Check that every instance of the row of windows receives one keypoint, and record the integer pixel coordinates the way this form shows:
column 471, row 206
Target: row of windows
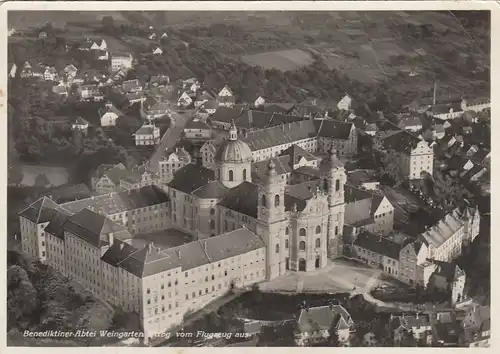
column 302, row 245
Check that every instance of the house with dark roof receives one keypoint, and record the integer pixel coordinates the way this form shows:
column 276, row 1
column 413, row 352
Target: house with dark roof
column 80, row 124
column 315, row 323
column 476, row 327
column 445, row 329
column 153, row 108
column 378, row 252
column 446, row 111
column 410, row 123
column 174, row 161
column 131, row 86
column 448, row 277
column 418, row 325
column 147, row 134
column 109, row 114
column 368, row 210
column 225, row 98
column 197, row 130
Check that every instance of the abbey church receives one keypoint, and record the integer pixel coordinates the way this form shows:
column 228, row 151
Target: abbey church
column 294, row 205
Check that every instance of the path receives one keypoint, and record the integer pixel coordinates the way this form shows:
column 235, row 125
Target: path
column 170, row 138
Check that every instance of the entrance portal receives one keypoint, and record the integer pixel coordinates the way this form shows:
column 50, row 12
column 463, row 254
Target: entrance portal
column 318, row 263
column 302, row 265
column 287, row 263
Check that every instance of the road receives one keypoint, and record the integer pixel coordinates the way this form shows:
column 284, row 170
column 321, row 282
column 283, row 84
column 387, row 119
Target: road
column 170, row 138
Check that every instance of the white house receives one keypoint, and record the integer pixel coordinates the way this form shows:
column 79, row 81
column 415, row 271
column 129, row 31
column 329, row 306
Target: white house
column 226, row 97
column 60, row 89
column 102, row 46
column 476, row 104
column 50, row 74
column 88, row 91
column 12, row 71
column 148, row 134
column 109, row 114
column 197, row 130
column 152, row 36
column 70, row 70
column 345, row 103
column 158, row 51
column 102, row 55
column 164, row 35
column 80, row 124
column 184, row 100
column 121, row 61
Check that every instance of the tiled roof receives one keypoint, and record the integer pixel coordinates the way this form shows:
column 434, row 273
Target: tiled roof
column 42, row 210
column 146, row 129
column 242, row 198
column 55, row 226
column 447, row 227
column 152, row 104
column 353, row 194
column 210, row 104
column 282, row 163
column 401, row 141
column 226, row 114
column 90, row 226
column 323, row 318
column 118, row 251
column 333, row 129
column 378, row 245
column 81, row 121
column 116, row 173
column 111, row 109
column 151, row 260
column 409, row 122
column 413, row 321
column 113, row 203
column 303, row 191
column 282, row 134
column 296, row 153
column 191, row 177
column 211, row 190
column 135, row 95
column 278, row 107
column 307, row 171
column 225, row 99
column 196, row 124
column 447, row 270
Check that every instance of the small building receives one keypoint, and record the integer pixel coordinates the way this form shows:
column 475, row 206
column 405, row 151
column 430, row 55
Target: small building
column 109, row 114
column 225, row 97
column 173, row 162
column 153, row 108
column 148, row 134
column 448, row 277
column 87, row 92
column 121, row 61
column 197, row 130
column 314, row 325
column 80, row 124
column 50, row 74
column 476, row 327
column 70, row 70
column 157, row 51
column 419, row 326
column 345, row 103
column 259, row 102
column 186, row 99
column 201, row 98
column 60, row 90
column 378, row 252
column 411, row 123
column 130, row 86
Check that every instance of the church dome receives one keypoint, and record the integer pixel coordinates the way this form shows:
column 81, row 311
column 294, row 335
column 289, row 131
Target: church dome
column 233, row 150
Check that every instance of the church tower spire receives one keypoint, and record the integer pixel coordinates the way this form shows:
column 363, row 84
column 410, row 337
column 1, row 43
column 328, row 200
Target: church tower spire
column 233, row 132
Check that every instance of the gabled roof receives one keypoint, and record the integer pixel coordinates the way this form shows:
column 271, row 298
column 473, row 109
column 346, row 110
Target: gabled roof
column 111, row 109
column 445, row 228
column 81, row 121
column 196, row 124
column 131, row 85
column 299, row 194
column 401, row 141
column 282, row 163
column 55, row 226
column 296, row 153
column 191, row 177
column 333, row 129
column 42, row 210
column 243, row 199
column 147, row 129
column 90, row 226
column 323, row 318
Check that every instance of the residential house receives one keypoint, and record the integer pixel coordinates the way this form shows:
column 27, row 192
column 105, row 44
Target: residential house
column 259, row 102
column 314, row 325
column 173, row 162
column 152, row 36
column 148, row 134
column 445, row 329
column 153, row 108
column 198, row 130
column 368, row 210
column 446, row 111
column 225, row 97
column 418, row 325
column 131, row 86
column 121, row 61
column 50, row 74
column 12, row 70
column 481, row 157
column 157, row 51
column 88, row 92
column 135, row 97
column 102, row 54
column 411, row 123
column 412, row 264
column 185, row 100
column 164, row 35
column 476, row 327
column 474, row 174
column 61, row 90
column 99, row 44
column 158, row 80
column 107, row 177
column 191, row 84
column 448, row 277
column 202, row 98
column 345, row 103
column 413, row 154
column 377, row 252
column 209, row 107
column 138, row 177
column 81, row 125
column 371, row 129
column 476, row 104
column 108, row 115
column 438, row 131
column 70, row 70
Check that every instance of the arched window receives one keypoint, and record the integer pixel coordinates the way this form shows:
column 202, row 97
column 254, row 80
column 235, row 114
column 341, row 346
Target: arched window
column 337, row 185
column 287, row 231
column 218, row 173
column 276, row 200
column 336, row 230
column 244, row 174
column 277, row 248
column 231, row 175
column 302, row 232
column 286, row 243
column 302, row 245
column 264, row 201
column 225, row 225
column 318, row 243
column 212, row 211
column 325, row 184
column 318, row 229
column 212, row 225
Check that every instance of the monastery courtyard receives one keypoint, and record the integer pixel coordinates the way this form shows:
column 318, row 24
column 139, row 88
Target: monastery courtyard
column 338, row 276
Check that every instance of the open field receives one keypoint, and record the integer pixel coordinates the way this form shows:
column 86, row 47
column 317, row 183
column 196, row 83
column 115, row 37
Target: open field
column 282, row 60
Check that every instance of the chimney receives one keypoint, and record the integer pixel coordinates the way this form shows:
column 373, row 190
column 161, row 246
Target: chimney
column 434, row 95
column 111, row 239
column 179, row 254
column 282, row 127
column 205, row 246
column 250, row 118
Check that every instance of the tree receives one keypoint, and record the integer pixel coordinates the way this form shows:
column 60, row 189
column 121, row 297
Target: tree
column 333, row 337
column 21, row 297
column 108, row 25
column 41, row 180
